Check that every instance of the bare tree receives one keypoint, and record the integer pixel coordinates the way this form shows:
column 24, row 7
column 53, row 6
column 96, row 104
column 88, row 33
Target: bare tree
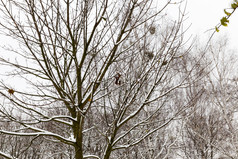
column 223, row 83
column 210, row 126
column 100, row 76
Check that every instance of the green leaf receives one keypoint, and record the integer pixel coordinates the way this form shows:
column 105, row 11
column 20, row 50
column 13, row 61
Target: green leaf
column 224, row 21
column 227, row 13
column 234, row 5
column 217, row 30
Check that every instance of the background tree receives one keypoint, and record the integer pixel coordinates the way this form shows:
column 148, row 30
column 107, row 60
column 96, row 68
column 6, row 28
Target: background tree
column 224, row 85
column 210, row 128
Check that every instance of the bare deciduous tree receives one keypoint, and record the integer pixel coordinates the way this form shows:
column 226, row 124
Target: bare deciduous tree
column 100, row 76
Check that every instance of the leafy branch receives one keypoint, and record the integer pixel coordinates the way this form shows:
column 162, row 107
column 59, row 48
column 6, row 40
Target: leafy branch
column 225, row 20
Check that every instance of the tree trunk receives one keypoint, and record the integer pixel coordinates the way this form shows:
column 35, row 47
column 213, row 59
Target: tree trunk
column 108, row 151
column 78, row 127
column 109, row 146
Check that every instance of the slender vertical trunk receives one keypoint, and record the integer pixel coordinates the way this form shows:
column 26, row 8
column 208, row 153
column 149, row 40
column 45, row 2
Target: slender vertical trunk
column 78, row 127
column 211, row 152
column 109, row 146
column 108, row 151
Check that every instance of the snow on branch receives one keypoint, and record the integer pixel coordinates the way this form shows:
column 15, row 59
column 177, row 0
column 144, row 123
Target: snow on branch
column 43, row 133
column 91, row 156
column 6, row 155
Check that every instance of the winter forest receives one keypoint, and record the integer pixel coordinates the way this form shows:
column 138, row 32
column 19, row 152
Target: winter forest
column 114, row 79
